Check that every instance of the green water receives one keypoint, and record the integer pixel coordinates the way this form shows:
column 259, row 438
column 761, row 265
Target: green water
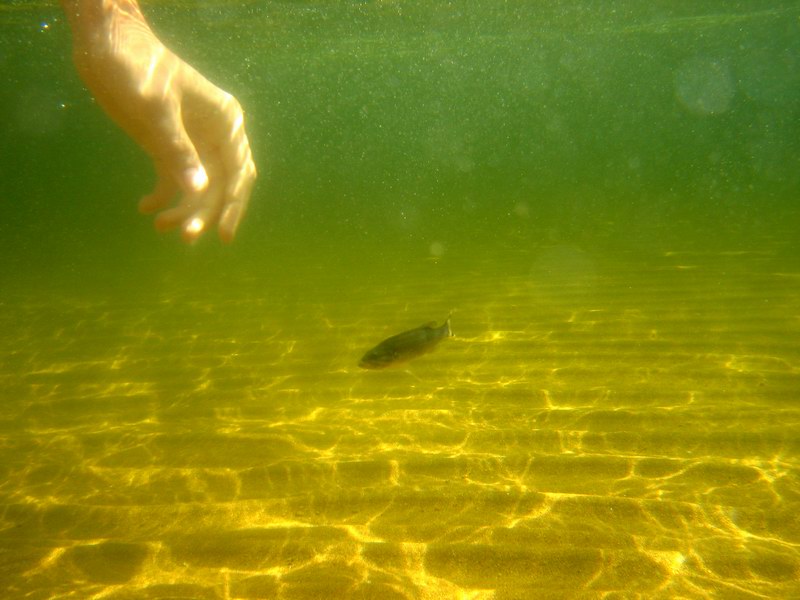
column 604, row 195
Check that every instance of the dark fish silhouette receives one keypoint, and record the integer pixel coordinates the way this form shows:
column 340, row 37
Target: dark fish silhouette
column 405, row 346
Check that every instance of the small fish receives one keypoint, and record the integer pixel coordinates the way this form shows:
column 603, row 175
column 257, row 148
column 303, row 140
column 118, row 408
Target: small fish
column 405, row 346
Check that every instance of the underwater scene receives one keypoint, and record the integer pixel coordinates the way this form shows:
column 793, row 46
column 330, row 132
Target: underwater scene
column 514, row 311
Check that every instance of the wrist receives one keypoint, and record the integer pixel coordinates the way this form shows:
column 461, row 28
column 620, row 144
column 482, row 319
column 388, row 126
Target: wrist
column 103, row 31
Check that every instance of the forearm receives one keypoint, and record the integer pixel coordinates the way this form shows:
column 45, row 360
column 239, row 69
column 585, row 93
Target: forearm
column 98, row 26
column 86, row 17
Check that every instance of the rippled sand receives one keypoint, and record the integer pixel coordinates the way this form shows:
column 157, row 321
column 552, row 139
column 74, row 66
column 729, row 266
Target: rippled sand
column 626, row 425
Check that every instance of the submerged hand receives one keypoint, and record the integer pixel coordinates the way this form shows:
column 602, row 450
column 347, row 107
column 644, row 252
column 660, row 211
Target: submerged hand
column 193, row 131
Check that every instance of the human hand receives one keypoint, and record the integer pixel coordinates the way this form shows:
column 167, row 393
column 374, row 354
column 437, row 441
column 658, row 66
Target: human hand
column 193, row 131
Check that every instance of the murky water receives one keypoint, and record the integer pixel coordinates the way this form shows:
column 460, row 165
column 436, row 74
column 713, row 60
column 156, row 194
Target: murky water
column 617, row 413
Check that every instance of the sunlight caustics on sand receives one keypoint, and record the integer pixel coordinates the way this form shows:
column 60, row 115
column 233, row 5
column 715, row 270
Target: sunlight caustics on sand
column 634, row 430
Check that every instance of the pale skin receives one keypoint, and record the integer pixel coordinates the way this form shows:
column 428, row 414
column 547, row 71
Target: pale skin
column 192, row 130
